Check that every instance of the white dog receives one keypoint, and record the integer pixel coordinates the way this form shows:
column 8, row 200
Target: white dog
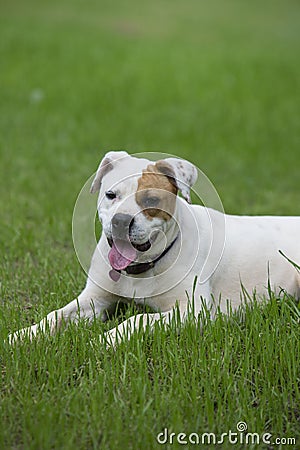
column 154, row 245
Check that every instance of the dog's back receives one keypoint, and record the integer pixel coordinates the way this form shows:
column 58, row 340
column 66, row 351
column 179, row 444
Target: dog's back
column 253, row 257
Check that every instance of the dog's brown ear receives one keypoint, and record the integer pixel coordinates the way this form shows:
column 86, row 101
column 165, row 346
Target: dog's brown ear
column 181, row 173
column 105, row 166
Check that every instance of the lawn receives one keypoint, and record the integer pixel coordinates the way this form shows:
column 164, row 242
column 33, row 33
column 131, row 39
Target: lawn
column 214, row 82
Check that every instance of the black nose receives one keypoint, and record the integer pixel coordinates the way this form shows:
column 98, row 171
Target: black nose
column 121, row 224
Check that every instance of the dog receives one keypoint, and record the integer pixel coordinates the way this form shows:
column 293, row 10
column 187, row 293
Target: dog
column 158, row 249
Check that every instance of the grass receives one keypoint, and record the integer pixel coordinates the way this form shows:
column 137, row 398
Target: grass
column 213, row 83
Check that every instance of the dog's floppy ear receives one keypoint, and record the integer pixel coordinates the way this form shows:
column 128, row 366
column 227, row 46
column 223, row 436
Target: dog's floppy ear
column 105, row 166
column 181, row 173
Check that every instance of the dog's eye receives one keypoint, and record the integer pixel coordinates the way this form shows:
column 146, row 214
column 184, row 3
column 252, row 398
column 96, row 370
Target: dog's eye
column 151, row 202
column 110, row 195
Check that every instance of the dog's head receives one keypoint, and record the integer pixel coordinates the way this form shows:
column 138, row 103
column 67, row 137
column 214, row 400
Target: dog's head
column 137, row 203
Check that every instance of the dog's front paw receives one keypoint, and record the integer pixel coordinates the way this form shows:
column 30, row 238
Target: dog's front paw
column 108, row 340
column 20, row 335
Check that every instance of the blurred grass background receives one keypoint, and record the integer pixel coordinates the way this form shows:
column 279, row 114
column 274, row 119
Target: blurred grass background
column 214, row 82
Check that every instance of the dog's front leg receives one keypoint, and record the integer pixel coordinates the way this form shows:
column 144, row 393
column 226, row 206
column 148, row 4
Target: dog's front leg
column 139, row 322
column 91, row 303
column 189, row 306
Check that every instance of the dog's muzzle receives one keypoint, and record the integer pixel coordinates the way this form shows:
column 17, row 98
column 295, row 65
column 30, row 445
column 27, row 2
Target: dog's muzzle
column 121, row 230
column 123, row 250
column 121, row 224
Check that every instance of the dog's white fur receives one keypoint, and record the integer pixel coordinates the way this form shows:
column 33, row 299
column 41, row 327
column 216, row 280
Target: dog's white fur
column 250, row 257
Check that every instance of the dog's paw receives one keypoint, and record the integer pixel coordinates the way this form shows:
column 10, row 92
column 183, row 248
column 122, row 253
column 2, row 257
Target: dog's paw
column 21, row 335
column 14, row 338
column 110, row 339
column 107, row 340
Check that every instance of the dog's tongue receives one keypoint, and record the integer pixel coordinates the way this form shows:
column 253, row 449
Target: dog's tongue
column 121, row 254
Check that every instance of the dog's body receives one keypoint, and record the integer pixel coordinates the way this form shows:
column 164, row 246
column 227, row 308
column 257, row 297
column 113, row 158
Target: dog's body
column 154, row 244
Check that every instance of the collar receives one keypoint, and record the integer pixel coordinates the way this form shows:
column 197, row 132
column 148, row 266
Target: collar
column 136, row 269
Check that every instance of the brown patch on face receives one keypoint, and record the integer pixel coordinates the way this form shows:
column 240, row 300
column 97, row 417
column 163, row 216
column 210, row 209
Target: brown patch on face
column 157, row 190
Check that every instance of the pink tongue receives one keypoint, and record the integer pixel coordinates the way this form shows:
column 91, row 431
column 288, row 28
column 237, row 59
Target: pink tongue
column 121, row 254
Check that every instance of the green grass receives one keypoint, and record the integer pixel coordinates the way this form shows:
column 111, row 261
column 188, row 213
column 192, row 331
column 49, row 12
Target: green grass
column 215, row 82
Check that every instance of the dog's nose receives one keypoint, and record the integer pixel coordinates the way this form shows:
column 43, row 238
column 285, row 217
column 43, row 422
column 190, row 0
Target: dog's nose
column 121, row 224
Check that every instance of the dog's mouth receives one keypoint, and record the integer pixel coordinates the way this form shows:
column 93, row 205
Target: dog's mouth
column 123, row 252
column 139, row 247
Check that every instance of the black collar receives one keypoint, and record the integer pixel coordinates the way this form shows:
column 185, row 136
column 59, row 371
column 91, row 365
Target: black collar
column 136, row 269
